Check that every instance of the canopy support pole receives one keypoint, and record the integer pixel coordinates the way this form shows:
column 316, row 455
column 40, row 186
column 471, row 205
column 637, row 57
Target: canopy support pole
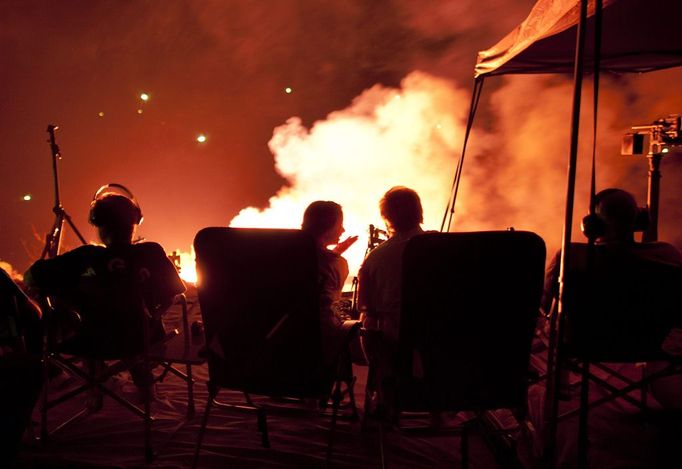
column 554, row 378
column 450, row 210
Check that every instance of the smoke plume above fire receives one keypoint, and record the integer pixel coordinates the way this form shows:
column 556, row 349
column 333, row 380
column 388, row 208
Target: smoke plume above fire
column 388, row 136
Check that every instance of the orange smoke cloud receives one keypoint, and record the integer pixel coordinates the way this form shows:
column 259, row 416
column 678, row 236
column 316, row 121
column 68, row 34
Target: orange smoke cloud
column 409, row 136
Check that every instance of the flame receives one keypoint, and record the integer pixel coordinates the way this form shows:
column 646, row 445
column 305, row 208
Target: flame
column 187, row 265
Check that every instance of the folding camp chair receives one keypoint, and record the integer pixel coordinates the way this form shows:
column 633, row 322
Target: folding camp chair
column 119, row 341
column 120, row 335
column 469, row 306
column 619, row 308
column 258, row 292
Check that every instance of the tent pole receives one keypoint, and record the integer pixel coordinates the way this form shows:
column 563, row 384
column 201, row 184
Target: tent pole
column 553, row 379
column 450, row 210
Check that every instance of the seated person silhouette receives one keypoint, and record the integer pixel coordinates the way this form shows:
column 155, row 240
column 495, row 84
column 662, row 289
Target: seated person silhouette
column 616, row 217
column 20, row 367
column 380, row 278
column 88, row 279
column 323, row 220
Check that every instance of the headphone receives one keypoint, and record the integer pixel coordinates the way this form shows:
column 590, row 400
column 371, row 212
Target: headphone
column 98, row 210
column 594, row 224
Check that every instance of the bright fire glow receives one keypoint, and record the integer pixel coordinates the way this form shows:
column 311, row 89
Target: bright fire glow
column 188, row 271
column 201, row 138
column 27, row 197
column 288, row 90
column 144, row 97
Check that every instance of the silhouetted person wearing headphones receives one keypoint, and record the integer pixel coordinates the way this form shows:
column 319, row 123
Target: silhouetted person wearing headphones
column 617, row 217
column 84, row 277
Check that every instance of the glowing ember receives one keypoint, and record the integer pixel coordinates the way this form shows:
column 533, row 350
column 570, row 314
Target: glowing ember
column 27, row 197
column 100, row 114
column 288, row 90
column 144, row 97
column 201, row 138
column 139, row 111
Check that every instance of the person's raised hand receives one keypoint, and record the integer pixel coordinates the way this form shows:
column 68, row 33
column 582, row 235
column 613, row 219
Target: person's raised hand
column 341, row 247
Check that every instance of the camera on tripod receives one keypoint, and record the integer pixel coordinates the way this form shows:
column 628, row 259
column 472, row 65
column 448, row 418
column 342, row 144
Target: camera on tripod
column 659, row 138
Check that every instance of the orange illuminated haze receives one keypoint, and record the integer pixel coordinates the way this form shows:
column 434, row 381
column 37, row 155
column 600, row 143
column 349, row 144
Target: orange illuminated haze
column 515, row 171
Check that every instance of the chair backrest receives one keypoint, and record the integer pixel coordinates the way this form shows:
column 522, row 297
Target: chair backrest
column 469, row 307
column 10, row 318
column 258, row 291
column 109, row 288
column 113, row 315
column 619, row 306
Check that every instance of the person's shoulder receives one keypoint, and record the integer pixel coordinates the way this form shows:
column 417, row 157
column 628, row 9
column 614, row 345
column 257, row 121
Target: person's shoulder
column 660, row 251
column 6, row 281
column 331, row 257
column 149, row 247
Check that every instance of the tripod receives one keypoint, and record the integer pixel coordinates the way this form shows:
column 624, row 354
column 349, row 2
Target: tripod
column 54, row 237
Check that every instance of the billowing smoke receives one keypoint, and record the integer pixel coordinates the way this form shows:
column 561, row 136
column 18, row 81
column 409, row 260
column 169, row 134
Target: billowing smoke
column 514, row 175
column 406, row 136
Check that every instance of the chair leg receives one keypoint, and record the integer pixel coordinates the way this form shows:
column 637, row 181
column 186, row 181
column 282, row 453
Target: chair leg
column 148, row 451
column 43, row 402
column 382, row 454
column 351, row 395
column 212, row 393
column 336, row 400
column 262, row 417
column 464, row 446
column 584, row 411
column 551, row 405
column 643, row 395
column 190, row 393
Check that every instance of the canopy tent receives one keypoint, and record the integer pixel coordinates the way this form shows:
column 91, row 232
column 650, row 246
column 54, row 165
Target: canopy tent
column 637, row 36
column 578, row 36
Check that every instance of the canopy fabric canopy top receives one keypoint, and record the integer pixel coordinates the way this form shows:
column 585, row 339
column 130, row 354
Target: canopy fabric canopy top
column 637, row 36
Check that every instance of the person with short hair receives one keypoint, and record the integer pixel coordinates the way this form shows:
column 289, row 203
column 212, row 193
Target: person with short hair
column 379, row 296
column 86, row 278
column 380, row 277
column 618, row 216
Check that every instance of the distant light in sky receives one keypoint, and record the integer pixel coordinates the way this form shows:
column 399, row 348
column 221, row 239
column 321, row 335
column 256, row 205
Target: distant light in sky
column 144, row 97
column 201, row 138
column 139, row 111
column 288, row 90
column 27, row 197
column 100, row 114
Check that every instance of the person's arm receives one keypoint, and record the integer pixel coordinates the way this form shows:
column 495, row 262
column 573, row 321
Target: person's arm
column 367, row 314
column 167, row 283
column 551, row 289
column 57, row 275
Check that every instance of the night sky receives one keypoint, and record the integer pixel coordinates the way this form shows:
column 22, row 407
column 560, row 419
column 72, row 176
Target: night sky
column 213, row 68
